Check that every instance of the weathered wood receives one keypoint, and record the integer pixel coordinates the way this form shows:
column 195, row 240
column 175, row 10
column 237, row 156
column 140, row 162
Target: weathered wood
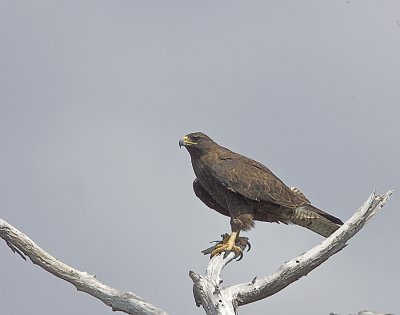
column 217, row 300
column 207, row 289
column 126, row 302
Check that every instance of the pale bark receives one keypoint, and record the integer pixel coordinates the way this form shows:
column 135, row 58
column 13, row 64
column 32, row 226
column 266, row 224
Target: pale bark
column 226, row 300
column 126, row 302
column 207, row 290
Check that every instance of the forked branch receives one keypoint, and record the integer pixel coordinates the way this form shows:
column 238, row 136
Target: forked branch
column 225, row 300
column 207, row 290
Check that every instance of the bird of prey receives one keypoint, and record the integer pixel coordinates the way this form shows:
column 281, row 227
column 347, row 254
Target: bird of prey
column 247, row 191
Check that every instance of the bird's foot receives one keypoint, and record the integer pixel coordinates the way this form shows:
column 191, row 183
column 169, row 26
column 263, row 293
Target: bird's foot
column 229, row 243
column 227, row 247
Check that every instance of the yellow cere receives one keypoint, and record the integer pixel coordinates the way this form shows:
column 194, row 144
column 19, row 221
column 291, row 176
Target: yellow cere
column 187, row 141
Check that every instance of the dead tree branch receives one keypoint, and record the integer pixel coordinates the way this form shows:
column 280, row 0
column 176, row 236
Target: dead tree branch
column 126, row 302
column 225, row 300
column 207, row 290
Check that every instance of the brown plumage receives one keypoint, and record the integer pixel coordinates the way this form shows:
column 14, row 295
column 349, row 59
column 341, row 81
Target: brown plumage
column 247, row 191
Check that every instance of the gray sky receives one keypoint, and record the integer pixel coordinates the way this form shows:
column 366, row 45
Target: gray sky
column 96, row 94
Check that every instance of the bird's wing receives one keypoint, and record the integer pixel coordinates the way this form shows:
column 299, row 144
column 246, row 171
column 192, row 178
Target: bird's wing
column 255, row 181
column 207, row 199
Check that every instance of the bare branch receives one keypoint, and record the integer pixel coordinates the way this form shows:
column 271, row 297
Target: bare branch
column 126, row 302
column 207, row 290
column 225, row 300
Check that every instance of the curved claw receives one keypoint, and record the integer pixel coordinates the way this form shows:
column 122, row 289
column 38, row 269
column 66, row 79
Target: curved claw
column 240, row 257
column 243, row 242
column 238, row 254
column 248, row 246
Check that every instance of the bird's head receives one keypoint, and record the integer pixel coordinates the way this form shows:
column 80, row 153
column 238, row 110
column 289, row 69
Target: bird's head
column 196, row 142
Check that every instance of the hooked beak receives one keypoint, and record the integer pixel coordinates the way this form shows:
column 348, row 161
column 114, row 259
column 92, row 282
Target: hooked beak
column 185, row 141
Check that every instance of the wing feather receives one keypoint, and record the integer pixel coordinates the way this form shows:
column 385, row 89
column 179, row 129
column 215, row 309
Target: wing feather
column 207, row 199
column 255, row 181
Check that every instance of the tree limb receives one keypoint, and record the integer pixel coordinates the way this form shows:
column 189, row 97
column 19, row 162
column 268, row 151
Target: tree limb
column 126, row 302
column 206, row 289
column 225, row 300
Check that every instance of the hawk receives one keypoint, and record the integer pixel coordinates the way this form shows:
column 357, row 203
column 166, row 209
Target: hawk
column 247, row 191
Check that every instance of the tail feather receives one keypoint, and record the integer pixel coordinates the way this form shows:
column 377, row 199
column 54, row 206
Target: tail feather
column 315, row 220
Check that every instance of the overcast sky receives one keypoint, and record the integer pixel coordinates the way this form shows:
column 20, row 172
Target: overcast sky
column 96, row 94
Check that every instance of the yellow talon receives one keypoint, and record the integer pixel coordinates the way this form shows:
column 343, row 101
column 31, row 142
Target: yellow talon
column 227, row 245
